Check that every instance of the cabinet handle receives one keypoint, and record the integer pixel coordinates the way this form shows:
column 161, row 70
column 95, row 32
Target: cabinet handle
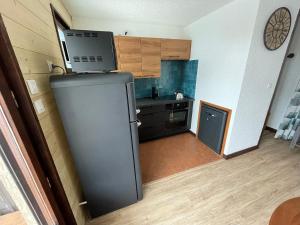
column 138, row 111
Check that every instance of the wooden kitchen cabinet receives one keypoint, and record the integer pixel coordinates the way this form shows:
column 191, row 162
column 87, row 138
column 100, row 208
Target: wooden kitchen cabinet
column 142, row 56
column 129, row 55
column 151, row 60
column 175, row 49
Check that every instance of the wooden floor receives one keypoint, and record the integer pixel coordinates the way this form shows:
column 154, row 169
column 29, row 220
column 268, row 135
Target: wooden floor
column 166, row 156
column 241, row 191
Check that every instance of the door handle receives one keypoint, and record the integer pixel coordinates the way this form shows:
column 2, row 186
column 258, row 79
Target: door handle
column 212, row 115
column 139, row 123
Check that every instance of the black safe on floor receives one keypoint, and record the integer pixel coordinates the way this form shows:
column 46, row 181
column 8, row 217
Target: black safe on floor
column 212, row 127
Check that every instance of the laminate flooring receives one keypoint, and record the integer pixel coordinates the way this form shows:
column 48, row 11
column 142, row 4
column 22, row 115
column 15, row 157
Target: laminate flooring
column 241, row 191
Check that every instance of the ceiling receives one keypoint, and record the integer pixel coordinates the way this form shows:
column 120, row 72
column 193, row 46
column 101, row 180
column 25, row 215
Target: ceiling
column 167, row 12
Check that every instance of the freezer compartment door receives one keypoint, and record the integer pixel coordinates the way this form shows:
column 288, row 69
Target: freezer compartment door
column 135, row 151
column 131, row 102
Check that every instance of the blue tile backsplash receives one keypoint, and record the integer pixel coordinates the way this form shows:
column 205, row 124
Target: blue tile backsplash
column 188, row 85
column 175, row 76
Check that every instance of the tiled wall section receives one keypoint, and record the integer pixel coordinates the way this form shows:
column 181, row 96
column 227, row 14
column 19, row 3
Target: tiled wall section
column 175, row 76
column 188, row 85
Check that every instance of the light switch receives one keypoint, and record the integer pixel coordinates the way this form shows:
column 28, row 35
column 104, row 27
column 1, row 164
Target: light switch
column 33, row 88
column 39, row 106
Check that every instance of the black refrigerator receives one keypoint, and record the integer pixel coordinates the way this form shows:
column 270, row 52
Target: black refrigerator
column 98, row 112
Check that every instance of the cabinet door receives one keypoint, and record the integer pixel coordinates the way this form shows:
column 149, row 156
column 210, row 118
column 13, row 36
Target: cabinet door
column 151, row 57
column 130, row 58
column 172, row 49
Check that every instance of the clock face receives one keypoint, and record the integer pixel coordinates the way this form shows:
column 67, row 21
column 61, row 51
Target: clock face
column 277, row 28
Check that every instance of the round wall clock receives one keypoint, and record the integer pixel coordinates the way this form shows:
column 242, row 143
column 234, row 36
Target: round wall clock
column 277, row 28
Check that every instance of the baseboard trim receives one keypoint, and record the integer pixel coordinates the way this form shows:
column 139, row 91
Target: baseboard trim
column 191, row 132
column 271, row 129
column 242, row 152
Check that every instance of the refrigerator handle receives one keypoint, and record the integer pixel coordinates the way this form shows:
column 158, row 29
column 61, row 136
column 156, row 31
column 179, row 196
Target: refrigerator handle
column 131, row 101
column 136, row 158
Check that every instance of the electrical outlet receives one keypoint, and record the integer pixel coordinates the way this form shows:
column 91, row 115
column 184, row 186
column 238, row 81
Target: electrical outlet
column 39, row 106
column 50, row 63
column 33, row 88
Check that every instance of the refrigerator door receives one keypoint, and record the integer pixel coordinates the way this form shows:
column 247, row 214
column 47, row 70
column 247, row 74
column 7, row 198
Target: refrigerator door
column 131, row 102
column 135, row 150
column 96, row 120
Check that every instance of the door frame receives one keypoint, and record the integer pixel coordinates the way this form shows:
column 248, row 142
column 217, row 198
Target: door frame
column 24, row 118
column 20, row 165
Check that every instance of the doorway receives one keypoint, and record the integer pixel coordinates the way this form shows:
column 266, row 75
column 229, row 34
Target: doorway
column 283, row 116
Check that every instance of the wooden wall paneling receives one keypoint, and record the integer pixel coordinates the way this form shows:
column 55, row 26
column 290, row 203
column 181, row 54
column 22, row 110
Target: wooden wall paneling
column 39, row 10
column 35, row 63
column 174, row 49
column 56, row 147
column 20, row 14
column 46, row 4
column 130, row 58
column 47, row 124
column 23, row 38
column 229, row 112
column 151, row 57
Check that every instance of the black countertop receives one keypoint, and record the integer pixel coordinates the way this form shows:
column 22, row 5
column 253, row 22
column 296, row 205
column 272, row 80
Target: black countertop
column 140, row 102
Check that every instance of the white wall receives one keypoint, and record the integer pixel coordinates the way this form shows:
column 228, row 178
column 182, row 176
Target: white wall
column 261, row 75
column 221, row 41
column 287, row 83
column 133, row 29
